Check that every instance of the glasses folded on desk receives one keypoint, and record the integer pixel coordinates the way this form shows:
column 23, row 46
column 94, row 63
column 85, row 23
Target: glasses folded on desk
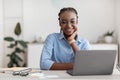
column 24, row 72
column 20, row 71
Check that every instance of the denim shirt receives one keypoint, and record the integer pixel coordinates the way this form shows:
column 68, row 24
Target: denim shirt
column 57, row 49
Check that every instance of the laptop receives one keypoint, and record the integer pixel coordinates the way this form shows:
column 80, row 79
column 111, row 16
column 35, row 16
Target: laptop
column 93, row 62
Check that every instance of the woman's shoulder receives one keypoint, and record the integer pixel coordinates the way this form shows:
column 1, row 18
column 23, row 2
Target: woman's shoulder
column 53, row 35
column 81, row 39
column 85, row 45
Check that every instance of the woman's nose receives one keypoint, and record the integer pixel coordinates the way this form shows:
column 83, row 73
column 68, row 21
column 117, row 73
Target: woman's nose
column 69, row 24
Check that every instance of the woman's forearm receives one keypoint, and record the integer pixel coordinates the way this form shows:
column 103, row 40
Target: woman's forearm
column 75, row 47
column 62, row 66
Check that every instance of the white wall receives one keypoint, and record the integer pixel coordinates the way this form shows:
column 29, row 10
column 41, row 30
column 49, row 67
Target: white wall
column 1, row 32
column 40, row 18
column 118, row 22
column 95, row 17
column 118, row 12
column 118, row 16
column 12, row 14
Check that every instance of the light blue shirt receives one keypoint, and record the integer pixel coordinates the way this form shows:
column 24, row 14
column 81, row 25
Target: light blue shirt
column 57, row 49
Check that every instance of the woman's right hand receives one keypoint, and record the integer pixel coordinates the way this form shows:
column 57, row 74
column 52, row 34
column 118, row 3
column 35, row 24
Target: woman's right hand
column 72, row 37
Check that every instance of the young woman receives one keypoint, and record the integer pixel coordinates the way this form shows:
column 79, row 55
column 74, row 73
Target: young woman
column 60, row 48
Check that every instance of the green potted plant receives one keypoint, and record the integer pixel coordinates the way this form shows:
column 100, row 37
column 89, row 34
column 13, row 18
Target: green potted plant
column 108, row 37
column 18, row 46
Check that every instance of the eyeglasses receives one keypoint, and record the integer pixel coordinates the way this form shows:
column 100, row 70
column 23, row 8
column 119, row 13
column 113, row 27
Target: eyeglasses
column 24, row 72
column 63, row 22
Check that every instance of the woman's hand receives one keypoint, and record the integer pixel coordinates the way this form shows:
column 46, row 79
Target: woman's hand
column 71, row 40
column 72, row 37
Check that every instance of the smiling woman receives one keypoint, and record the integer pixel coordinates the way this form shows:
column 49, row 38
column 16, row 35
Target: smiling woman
column 60, row 48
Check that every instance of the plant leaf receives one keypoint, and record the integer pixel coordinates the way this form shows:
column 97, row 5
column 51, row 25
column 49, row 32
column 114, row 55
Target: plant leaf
column 10, row 39
column 16, row 61
column 9, row 55
column 12, row 57
column 23, row 43
column 17, row 64
column 16, row 42
column 18, row 58
column 17, row 29
column 24, row 65
column 18, row 50
column 10, row 64
column 11, row 45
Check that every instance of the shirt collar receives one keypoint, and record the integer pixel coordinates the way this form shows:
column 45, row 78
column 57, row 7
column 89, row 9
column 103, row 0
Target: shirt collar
column 78, row 39
column 61, row 35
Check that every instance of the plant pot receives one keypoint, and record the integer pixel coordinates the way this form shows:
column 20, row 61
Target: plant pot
column 108, row 39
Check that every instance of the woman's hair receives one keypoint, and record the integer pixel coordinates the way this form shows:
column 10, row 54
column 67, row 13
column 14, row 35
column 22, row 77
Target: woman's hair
column 67, row 9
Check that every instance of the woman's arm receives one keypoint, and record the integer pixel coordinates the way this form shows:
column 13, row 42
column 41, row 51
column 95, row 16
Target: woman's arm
column 61, row 66
column 72, row 42
column 75, row 47
column 46, row 61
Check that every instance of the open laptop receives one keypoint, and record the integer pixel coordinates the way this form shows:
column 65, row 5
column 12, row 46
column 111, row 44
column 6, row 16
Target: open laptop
column 93, row 62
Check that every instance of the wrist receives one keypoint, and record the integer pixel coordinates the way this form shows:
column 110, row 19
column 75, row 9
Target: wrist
column 72, row 41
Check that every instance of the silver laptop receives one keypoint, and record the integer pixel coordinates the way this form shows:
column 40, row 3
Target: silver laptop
column 93, row 62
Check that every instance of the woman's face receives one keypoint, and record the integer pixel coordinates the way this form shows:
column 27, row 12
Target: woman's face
column 68, row 22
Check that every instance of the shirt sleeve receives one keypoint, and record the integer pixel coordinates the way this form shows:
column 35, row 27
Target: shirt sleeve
column 46, row 61
column 86, row 45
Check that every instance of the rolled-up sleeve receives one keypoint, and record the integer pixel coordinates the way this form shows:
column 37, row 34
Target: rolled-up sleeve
column 86, row 45
column 46, row 60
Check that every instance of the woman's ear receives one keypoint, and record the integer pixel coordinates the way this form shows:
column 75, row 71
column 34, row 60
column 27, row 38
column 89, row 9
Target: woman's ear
column 77, row 21
column 59, row 23
column 60, row 30
column 60, row 26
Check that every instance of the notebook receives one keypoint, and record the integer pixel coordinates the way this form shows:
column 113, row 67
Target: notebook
column 93, row 62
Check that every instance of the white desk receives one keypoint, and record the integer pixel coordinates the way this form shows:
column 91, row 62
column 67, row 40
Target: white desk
column 60, row 75
column 63, row 75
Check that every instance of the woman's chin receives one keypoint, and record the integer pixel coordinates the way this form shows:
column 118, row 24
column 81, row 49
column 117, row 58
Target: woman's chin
column 68, row 35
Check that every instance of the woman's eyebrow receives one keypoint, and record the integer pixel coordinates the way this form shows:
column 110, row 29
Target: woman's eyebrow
column 66, row 20
column 73, row 19
column 63, row 20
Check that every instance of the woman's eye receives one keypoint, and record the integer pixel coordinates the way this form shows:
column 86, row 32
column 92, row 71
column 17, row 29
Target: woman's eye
column 63, row 22
column 72, row 22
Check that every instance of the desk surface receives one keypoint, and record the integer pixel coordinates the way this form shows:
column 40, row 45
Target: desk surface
column 62, row 75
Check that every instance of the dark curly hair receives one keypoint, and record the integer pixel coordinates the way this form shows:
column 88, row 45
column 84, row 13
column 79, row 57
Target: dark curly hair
column 67, row 9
